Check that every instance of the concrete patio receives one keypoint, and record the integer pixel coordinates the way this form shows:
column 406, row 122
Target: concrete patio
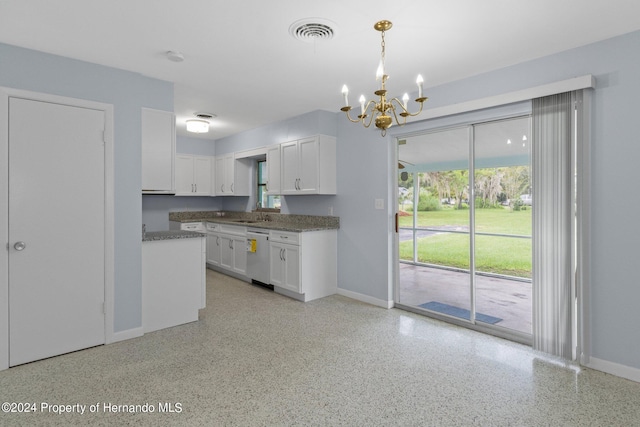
column 509, row 300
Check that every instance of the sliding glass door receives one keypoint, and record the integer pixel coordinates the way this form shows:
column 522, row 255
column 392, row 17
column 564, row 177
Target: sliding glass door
column 434, row 245
column 464, row 241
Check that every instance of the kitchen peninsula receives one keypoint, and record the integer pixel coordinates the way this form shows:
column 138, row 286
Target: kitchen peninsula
column 173, row 278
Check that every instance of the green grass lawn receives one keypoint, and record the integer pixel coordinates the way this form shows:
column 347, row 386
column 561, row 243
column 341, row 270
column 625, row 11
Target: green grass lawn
column 501, row 255
column 501, row 220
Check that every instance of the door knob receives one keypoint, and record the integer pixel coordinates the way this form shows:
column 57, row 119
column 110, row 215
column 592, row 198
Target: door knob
column 19, row 246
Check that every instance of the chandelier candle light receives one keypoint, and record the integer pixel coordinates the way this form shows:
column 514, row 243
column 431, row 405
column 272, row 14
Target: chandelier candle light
column 383, row 109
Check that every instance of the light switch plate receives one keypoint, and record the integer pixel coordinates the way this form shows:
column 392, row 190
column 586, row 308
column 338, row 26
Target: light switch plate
column 379, row 203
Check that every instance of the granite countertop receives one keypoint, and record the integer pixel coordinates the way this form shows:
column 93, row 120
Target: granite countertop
column 269, row 221
column 151, row 236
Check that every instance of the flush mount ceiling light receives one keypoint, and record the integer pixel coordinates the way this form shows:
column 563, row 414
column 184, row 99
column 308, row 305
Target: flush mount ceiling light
column 383, row 109
column 312, row 29
column 201, row 124
column 197, row 126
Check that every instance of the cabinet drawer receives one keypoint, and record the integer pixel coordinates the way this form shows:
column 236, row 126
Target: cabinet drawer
column 285, row 237
column 213, row 226
column 233, row 229
column 192, row 226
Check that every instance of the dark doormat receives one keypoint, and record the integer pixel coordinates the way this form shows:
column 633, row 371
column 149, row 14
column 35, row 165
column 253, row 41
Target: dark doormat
column 462, row 313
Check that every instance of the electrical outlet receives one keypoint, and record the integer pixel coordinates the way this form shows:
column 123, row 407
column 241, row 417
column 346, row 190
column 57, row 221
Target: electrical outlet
column 379, row 203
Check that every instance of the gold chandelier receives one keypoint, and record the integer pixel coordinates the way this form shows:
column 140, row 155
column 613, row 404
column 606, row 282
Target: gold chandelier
column 383, row 109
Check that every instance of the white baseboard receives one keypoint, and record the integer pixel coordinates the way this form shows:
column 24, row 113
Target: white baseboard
column 125, row 335
column 365, row 298
column 616, row 369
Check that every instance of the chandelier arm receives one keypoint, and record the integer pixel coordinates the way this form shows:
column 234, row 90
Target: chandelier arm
column 395, row 115
column 349, row 117
column 404, row 110
column 371, row 116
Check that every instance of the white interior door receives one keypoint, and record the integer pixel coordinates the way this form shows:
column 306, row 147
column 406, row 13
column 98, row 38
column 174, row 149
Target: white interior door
column 56, row 229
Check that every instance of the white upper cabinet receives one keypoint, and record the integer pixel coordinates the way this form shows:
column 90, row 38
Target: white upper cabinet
column 273, row 170
column 308, row 166
column 158, row 151
column 193, row 175
column 232, row 176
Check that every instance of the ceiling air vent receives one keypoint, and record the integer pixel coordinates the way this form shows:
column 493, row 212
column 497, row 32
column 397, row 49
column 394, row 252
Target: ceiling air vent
column 312, row 30
column 204, row 116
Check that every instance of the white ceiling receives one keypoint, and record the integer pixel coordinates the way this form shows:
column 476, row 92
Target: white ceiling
column 242, row 65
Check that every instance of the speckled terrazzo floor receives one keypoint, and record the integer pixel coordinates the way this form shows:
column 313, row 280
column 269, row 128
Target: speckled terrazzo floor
column 258, row 358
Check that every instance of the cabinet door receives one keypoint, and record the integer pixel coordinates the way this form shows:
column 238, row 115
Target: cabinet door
column 229, row 173
column 202, row 176
column 219, row 180
column 308, row 165
column 213, row 249
column 184, row 175
column 158, row 150
column 276, row 265
column 239, row 246
column 291, row 258
column 273, row 170
column 289, row 167
column 226, row 252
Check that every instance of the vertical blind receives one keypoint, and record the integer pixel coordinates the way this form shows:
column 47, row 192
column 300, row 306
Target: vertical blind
column 553, row 248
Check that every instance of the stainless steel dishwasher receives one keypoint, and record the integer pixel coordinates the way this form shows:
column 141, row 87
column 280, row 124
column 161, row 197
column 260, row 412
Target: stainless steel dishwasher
column 258, row 256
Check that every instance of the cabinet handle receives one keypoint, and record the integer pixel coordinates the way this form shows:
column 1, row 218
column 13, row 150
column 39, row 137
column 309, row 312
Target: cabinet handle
column 284, row 255
column 266, row 186
column 217, row 240
column 232, row 187
column 195, row 186
column 281, row 254
column 230, row 244
column 222, row 188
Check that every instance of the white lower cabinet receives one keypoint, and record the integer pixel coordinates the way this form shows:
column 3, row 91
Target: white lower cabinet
column 285, row 266
column 304, row 265
column 227, row 247
column 226, row 252
column 213, row 244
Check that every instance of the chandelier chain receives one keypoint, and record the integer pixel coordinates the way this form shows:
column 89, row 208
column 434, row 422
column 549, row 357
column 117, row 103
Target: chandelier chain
column 382, row 45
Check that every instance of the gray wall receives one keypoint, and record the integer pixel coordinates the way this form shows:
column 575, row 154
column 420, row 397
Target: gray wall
column 128, row 92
